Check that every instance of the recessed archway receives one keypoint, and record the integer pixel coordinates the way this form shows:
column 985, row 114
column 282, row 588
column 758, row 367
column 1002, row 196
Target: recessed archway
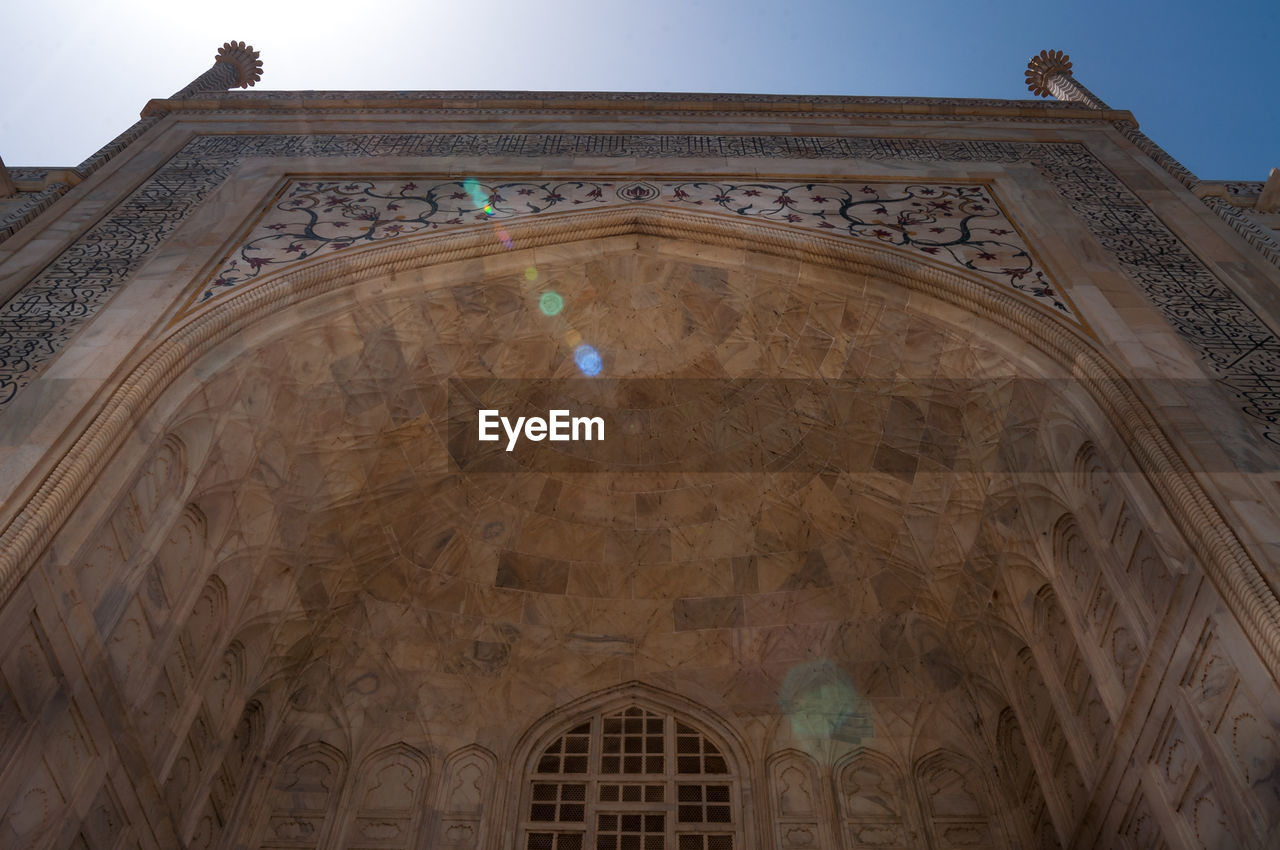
column 380, row 593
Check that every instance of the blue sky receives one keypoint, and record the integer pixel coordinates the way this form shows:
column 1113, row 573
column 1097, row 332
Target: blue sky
column 1201, row 77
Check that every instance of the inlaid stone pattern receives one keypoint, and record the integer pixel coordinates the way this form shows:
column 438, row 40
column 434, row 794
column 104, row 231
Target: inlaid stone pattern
column 960, row 225
column 1236, row 347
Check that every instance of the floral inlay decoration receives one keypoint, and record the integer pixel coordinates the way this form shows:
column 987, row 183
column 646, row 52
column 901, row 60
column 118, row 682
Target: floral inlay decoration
column 957, row 224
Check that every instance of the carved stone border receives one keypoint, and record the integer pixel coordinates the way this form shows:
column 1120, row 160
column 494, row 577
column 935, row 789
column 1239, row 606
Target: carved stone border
column 1236, row 347
column 313, row 216
column 1228, row 565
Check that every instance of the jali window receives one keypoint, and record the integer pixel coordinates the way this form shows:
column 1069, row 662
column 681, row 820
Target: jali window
column 635, row 779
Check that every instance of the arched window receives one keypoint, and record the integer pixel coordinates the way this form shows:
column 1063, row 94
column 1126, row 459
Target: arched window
column 632, row 778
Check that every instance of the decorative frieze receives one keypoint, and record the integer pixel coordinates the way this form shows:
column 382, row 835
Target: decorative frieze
column 1235, row 345
column 958, row 225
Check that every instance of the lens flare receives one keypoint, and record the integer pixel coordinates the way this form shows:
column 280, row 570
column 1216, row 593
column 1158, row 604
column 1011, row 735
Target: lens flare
column 550, row 303
column 823, row 704
column 531, row 273
column 479, row 196
column 588, row 360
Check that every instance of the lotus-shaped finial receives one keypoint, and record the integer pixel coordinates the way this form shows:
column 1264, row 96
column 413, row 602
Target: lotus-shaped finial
column 244, row 59
column 1044, row 66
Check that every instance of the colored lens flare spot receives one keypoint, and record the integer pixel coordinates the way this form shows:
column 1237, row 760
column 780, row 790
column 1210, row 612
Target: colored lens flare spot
column 823, row 705
column 588, row 360
column 550, row 303
column 531, row 273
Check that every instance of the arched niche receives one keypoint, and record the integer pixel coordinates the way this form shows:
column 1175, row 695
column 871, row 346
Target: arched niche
column 876, row 807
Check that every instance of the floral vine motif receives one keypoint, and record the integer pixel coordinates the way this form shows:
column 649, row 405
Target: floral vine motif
column 963, row 222
column 960, row 225
column 325, row 216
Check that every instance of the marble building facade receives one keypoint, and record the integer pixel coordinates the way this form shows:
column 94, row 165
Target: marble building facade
column 938, row 506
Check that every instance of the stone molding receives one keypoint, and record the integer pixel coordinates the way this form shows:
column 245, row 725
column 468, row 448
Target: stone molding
column 1262, row 240
column 30, row 206
column 612, row 103
column 1236, row 346
column 197, row 107
column 1158, row 154
column 1240, row 192
column 112, row 148
column 1224, row 558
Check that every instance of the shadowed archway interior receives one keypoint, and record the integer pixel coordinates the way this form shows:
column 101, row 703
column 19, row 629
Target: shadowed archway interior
column 326, row 627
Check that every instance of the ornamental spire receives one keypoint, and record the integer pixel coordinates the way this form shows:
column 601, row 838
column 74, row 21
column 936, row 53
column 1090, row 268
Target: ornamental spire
column 1049, row 73
column 246, row 61
column 236, row 65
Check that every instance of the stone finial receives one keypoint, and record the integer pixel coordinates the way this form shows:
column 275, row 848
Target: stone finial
column 1044, row 66
column 244, row 59
column 1050, row 74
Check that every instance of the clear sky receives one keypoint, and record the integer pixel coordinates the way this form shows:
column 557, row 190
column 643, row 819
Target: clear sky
column 1202, row 77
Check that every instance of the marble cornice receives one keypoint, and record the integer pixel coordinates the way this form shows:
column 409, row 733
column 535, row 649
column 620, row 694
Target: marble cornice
column 463, row 102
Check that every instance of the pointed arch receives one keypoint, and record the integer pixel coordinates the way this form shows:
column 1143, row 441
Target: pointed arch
column 300, row 798
column 798, row 804
column 629, row 762
column 198, row 637
column 956, row 801
column 875, row 803
column 1022, row 779
column 386, row 803
column 465, row 797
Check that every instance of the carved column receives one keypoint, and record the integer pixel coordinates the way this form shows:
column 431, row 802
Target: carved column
column 236, row 65
column 1050, row 74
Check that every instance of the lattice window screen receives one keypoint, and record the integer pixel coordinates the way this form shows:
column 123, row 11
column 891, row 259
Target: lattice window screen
column 634, row 779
